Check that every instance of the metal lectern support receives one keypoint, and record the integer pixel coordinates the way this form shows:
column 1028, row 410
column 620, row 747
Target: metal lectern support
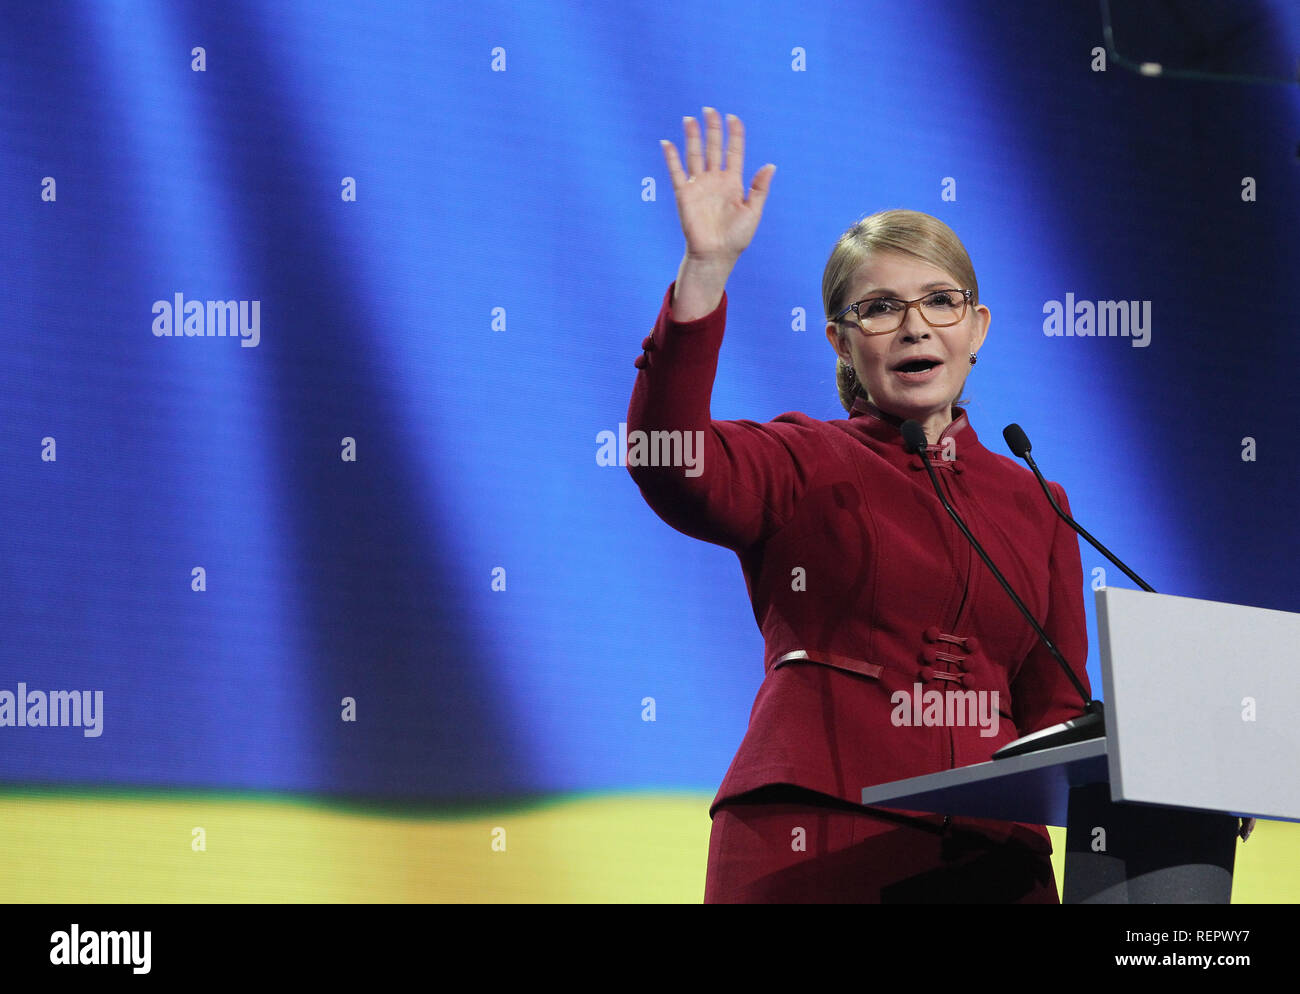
column 1145, row 854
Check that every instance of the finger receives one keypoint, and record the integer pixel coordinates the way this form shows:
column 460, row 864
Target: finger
column 759, row 188
column 694, row 157
column 713, row 122
column 736, row 146
column 674, row 164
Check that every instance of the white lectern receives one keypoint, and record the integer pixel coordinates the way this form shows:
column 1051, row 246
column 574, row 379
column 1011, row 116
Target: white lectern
column 1202, row 726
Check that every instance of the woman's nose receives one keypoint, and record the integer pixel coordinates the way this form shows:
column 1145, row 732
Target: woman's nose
column 914, row 327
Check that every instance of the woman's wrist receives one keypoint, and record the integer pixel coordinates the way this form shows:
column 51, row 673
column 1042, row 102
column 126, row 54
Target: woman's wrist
column 699, row 288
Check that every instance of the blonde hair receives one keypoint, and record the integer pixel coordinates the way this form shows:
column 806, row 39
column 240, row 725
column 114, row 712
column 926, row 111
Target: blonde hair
column 909, row 232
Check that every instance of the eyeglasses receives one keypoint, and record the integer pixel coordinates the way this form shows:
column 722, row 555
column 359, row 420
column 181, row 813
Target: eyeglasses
column 881, row 315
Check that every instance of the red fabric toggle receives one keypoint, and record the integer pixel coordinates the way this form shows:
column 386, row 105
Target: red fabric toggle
column 958, row 640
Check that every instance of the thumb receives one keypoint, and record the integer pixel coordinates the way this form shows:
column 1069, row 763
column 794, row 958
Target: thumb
column 759, row 188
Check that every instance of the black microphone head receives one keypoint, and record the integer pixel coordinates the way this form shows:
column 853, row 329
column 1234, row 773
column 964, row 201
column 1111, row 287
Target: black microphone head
column 913, row 436
column 1017, row 440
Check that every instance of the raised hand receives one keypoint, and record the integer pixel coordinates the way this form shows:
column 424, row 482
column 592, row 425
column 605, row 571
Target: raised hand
column 717, row 218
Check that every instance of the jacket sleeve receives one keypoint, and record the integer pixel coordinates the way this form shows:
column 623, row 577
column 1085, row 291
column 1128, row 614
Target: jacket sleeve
column 1041, row 693
column 746, row 477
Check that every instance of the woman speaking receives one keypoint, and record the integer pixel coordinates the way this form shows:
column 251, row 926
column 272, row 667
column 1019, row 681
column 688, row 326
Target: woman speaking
column 868, row 597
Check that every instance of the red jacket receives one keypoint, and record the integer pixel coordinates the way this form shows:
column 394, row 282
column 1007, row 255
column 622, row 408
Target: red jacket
column 860, row 582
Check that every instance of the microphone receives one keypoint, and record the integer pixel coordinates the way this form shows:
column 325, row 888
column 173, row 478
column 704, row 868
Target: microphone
column 1088, row 725
column 1018, row 442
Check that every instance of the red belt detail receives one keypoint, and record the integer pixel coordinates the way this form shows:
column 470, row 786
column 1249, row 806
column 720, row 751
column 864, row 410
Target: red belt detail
column 860, row 666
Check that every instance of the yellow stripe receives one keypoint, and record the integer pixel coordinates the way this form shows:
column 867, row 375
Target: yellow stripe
column 60, row 846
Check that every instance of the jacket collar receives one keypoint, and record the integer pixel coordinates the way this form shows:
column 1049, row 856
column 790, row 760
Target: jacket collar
column 885, row 433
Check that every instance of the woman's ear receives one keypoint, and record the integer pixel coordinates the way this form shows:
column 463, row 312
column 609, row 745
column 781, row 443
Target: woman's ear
column 836, row 338
column 982, row 319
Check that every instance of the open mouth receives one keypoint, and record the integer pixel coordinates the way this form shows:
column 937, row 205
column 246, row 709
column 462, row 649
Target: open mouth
column 917, row 366
column 919, row 370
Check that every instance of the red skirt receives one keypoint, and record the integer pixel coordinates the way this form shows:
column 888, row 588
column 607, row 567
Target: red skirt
column 788, row 845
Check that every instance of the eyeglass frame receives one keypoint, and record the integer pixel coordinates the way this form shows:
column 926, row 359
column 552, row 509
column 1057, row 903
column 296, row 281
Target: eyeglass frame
column 907, row 305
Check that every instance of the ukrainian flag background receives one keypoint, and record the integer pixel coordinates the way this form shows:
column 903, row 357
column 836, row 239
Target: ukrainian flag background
column 360, row 599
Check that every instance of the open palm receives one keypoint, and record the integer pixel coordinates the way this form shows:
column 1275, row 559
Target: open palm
column 717, row 218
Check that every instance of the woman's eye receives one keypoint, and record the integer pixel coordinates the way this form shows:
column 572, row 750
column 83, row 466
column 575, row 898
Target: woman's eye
column 881, row 305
